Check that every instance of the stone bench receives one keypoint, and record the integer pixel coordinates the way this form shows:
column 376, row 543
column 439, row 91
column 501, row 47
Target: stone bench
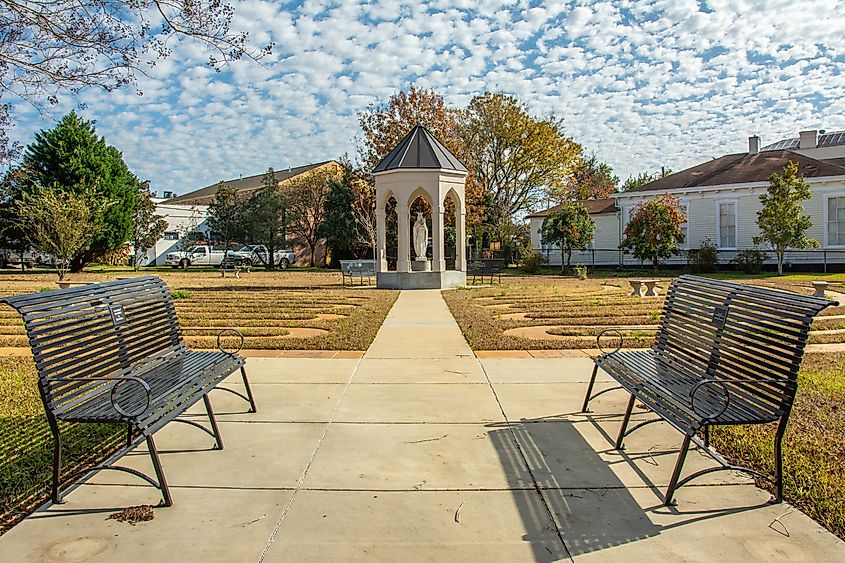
column 819, row 287
column 650, row 287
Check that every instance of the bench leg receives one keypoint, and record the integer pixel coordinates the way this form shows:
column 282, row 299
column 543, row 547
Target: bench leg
column 56, row 493
column 625, row 421
column 248, row 390
column 166, row 499
column 213, row 421
column 676, row 474
column 128, row 435
column 779, row 459
column 590, row 388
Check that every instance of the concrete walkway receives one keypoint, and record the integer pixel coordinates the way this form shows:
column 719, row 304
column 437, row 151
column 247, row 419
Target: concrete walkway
column 419, row 451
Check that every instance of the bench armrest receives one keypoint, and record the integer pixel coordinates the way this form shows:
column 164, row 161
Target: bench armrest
column 618, row 331
column 236, row 333
column 726, row 393
column 118, row 381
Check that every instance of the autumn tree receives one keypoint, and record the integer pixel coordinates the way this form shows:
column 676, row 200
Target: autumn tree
column 654, row 229
column 643, row 178
column 570, row 227
column 147, row 225
column 364, row 211
column 61, row 222
column 591, row 179
column 307, row 195
column 72, row 157
column 64, row 46
column 781, row 220
column 226, row 215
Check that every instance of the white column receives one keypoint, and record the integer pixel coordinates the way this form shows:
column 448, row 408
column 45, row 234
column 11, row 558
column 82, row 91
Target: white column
column 403, row 262
column 460, row 241
column 381, row 238
column 438, row 262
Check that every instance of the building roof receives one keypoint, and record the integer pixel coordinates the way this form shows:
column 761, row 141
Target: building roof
column 419, row 149
column 594, row 207
column 743, row 168
column 204, row 195
column 832, row 139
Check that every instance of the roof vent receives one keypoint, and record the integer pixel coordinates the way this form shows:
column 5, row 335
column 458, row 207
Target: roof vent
column 754, row 143
column 808, row 139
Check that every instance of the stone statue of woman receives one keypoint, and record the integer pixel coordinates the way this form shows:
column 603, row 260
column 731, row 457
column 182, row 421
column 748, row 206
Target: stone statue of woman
column 420, row 236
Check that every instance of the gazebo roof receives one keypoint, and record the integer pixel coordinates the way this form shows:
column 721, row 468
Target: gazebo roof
column 419, row 149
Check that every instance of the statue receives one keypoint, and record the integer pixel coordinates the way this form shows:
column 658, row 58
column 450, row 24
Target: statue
column 420, row 236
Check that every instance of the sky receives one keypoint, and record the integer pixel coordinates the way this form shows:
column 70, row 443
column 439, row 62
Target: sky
column 642, row 84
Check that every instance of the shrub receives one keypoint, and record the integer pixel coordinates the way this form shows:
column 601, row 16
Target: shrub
column 180, row 294
column 532, row 261
column 750, row 261
column 704, row 259
column 580, row 271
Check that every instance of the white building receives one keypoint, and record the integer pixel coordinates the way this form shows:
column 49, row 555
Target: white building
column 721, row 198
column 180, row 219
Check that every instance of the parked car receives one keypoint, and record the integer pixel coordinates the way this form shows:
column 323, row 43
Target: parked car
column 199, row 255
column 250, row 254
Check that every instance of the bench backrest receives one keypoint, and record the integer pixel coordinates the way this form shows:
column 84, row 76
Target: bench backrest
column 750, row 338
column 97, row 330
column 486, row 265
column 358, row 267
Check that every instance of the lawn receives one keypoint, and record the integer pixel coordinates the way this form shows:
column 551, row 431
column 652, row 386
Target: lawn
column 547, row 312
column 274, row 310
column 290, row 310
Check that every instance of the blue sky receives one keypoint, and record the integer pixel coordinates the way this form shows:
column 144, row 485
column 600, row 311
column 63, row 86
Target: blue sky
column 644, row 84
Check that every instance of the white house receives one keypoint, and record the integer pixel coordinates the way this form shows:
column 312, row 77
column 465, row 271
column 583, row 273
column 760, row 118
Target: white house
column 604, row 247
column 180, row 219
column 721, row 198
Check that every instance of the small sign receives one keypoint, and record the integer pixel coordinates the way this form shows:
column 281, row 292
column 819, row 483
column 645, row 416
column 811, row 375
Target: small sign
column 720, row 315
column 118, row 315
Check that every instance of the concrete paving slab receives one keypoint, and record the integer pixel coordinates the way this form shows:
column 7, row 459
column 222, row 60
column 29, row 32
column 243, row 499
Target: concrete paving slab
column 296, row 370
column 437, row 370
column 287, row 402
column 255, row 455
column 415, row 457
column 545, row 370
column 205, row 524
column 420, row 342
column 419, row 402
column 557, row 401
column 417, row 526
column 721, row 523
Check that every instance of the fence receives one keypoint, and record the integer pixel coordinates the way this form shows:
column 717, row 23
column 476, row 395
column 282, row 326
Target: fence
column 824, row 260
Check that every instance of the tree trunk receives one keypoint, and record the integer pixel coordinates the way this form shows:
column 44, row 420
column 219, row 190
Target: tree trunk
column 780, row 262
column 313, row 249
column 656, row 263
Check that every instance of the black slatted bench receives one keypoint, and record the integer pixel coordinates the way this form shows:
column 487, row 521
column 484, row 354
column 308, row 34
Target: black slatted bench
column 486, row 267
column 113, row 353
column 724, row 353
column 357, row 269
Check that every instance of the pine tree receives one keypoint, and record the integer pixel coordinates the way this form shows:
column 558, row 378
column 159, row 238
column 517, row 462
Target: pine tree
column 71, row 157
column 338, row 227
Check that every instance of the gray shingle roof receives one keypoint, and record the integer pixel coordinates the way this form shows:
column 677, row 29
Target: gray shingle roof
column 419, row 149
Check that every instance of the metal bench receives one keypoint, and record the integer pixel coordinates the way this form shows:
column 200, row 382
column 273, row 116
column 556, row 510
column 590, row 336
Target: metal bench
column 357, row 269
column 234, row 265
column 484, row 267
column 113, row 353
column 724, row 353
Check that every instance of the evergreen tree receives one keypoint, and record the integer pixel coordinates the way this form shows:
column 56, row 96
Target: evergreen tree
column 226, row 215
column 71, row 157
column 339, row 227
column 267, row 217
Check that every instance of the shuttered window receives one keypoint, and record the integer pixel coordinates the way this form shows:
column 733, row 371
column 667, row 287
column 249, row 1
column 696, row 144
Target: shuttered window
column 727, row 224
column 836, row 221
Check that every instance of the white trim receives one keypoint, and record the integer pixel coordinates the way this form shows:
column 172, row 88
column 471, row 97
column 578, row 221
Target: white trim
column 718, row 233
column 825, row 212
column 717, row 188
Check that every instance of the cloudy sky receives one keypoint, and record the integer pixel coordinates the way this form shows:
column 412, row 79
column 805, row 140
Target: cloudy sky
column 644, row 84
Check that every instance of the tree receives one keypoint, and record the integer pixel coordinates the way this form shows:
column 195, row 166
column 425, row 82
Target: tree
column 654, row 229
column 570, row 227
column 643, row 178
column 12, row 235
column 267, row 217
column 591, row 179
column 781, row 222
column 147, row 225
column 226, row 215
column 72, row 156
column 307, row 195
column 339, row 225
column 515, row 157
column 61, row 222
column 364, row 211
column 64, row 46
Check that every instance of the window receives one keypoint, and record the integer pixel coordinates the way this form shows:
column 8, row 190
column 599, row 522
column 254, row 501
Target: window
column 836, row 221
column 727, row 224
column 171, row 235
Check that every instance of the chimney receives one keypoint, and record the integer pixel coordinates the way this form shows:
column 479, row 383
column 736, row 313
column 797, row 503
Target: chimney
column 754, row 144
column 808, row 139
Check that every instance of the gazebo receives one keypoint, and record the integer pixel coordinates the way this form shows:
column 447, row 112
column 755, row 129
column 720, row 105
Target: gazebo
column 420, row 168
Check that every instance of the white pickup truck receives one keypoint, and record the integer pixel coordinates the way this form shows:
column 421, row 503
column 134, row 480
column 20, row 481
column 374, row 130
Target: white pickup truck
column 257, row 254
column 199, row 255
